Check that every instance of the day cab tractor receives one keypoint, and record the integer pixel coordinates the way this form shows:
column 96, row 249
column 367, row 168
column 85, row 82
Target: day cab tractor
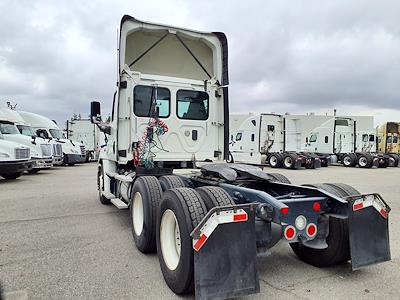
column 206, row 219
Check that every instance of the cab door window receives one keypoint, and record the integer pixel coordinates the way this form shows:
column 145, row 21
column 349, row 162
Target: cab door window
column 192, row 105
column 143, row 101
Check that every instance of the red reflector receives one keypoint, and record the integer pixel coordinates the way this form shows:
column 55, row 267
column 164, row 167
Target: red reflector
column 384, row 213
column 200, row 242
column 358, row 206
column 316, row 206
column 239, row 217
column 284, row 210
column 311, row 229
column 290, row 232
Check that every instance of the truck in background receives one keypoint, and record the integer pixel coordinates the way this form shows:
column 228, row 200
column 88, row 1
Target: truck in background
column 14, row 159
column 73, row 151
column 338, row 138
column 88, row 134
column 388, row 140
column 40, row 150
column 26, row 129
column 275, row 140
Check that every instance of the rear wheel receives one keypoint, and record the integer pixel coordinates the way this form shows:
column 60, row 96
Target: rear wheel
column 349, row 160
column 365, row 161
column 279, row 177
column 214, row 196
column 393, row 160
column 180, row 211
column 338, row 250
column 146, row 196
column 275, row 160
column 11, row 175
column 171, row 181
column 289, row 161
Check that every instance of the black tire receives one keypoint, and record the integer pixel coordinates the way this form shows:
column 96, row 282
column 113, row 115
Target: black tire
column 394, row 161
column 365, row 161
column 171, row 181
column 338, row 250
column 189, row 209
column 12, row 175
column 275, row 160
column 33, row 171
column 349, row 160
column 150, row 192
column 100, row 185
column 214, row 196
column 348, row 190
column 279, row 177
column 289, row 161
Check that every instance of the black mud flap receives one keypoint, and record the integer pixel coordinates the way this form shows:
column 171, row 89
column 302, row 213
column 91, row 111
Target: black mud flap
column 368, row 230
column 225, row 266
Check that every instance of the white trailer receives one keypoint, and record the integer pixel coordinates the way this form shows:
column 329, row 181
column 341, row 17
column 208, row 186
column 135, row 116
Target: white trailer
column 14, row 159
column 208, row 225
column 73, row 151
column 40, row 150
column 88, row 134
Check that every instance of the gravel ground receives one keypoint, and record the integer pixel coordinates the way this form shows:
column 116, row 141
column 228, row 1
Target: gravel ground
column 58, row 242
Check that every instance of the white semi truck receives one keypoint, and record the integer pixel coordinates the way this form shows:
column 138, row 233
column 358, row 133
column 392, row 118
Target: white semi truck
column 14, row 159
column 208, row 225
column 40, row 150
column 26, row 129
column 88, row 134
column 338, row 139
column 276, row 140
column 73, row 151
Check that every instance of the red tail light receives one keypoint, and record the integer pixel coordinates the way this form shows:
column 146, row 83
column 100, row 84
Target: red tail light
column 290, row 232
column 284, row 210
column 316, row 206
column 311, row 230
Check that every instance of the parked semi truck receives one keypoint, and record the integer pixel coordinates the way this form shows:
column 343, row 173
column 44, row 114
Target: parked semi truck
column 88, row 134
column 338, row 139
column 40, row 150
column 14, row 159
column 170, row 113
column 388, row 141
column 26, row 129
column 276, row 140
column 73, row 151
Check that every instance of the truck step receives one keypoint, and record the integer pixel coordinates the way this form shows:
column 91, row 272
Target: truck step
column 119, row 203
column 123, row 178
column 108, row 195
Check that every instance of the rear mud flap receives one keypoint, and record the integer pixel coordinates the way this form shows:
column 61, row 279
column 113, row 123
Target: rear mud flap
column 368, row 230
column 226, row 265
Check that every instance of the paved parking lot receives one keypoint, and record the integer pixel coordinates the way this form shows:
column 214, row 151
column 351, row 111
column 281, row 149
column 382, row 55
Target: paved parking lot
column 58, row 242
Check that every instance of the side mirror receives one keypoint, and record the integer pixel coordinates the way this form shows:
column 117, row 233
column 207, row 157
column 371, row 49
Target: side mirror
column 95, row 111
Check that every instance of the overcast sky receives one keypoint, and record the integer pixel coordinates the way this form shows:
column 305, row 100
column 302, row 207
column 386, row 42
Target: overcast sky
column 284, row 56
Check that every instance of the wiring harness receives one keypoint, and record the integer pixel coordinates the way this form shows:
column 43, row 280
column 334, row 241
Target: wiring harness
column 143, row 155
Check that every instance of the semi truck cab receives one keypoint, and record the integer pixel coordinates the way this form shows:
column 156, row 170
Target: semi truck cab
column 73, row 152
column 14, row 159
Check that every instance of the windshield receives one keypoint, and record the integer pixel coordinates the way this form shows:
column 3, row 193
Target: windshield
column 8, row 128
column 56, row 133
column 26, row 130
